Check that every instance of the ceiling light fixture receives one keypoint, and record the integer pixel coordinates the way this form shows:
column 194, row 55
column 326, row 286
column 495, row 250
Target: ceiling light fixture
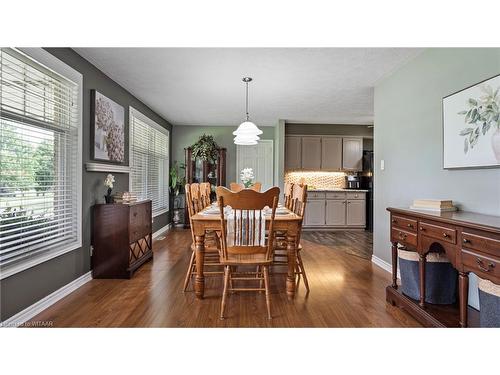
column 247, row 133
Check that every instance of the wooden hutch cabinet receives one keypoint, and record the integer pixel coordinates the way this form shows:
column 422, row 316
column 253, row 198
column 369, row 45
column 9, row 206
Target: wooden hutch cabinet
column 121, row 238
column 198, row 170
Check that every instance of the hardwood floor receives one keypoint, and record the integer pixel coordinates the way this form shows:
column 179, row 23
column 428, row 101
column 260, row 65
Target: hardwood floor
column 358, row 243
column 346, row 291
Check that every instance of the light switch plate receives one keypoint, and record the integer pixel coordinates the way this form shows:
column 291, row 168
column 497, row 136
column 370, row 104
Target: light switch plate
column 382, row 164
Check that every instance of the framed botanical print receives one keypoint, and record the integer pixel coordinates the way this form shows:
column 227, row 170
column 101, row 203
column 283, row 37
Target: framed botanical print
column 108, row 133
column 471, row 126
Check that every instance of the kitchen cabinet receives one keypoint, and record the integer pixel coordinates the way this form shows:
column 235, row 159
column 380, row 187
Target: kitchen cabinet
column 356, row 212
column 315, row 213
column 340, row 209
column 293, row 152
column 335, row 212
column 352, row 154
column 331, row 153
column 311, row 153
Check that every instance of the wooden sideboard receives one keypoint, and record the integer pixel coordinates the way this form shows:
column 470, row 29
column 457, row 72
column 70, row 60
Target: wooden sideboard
column 121, row 238
column 471, row 242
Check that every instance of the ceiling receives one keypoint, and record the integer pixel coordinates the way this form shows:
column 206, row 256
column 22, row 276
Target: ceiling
column 202, row 86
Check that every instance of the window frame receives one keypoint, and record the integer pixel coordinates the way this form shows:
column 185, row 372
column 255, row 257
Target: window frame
column 53, row 64
column 135, row 113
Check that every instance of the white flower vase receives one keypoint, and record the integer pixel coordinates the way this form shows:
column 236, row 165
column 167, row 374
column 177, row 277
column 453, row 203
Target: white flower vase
column 495, row 144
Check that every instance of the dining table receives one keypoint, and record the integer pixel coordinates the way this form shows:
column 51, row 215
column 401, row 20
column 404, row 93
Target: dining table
column 208, row 220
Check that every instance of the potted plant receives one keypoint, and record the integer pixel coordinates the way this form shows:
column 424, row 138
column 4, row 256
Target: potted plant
column 108, row 182
column 247, row 177
column 177, row 182
column 205, row 149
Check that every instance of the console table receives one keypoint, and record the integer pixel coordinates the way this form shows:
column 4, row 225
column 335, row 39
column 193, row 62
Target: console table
column 471, row 242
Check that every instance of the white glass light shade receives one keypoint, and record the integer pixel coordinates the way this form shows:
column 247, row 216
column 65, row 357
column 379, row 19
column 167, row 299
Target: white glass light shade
column 247, row 127
column 246, row 139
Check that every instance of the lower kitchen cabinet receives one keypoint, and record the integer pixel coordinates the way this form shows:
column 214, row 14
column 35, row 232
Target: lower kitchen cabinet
column 315, row 213
column 335, row 212
column 356, row 212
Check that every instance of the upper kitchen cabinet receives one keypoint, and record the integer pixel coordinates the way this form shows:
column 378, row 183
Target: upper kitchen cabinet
column 331, row 153
column 293, row 153
column 352, row 154
column 311, row 153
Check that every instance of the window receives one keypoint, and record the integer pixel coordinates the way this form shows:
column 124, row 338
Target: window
column 149, row 143
column 40, row 159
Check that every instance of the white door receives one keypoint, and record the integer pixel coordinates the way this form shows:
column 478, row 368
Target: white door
column 258, row 157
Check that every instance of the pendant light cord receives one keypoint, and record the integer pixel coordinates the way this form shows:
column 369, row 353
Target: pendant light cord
column 247, row 100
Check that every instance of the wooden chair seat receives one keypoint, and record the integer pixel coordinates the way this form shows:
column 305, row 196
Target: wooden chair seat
column 255, row 259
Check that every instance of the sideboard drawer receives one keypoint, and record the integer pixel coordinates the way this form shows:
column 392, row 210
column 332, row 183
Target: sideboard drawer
column 404, row 223
column 403, row 237
column 481, row 243
column 483, row 265
column 439, row 232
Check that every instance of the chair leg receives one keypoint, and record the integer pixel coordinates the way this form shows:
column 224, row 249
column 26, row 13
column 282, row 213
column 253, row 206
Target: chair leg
column 268, row 295
column 303, row 271
column 224, row 293
column 259, row 274
column 189, row 271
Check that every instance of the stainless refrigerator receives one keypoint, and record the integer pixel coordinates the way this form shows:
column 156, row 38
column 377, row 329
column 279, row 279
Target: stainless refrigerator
column 367, row 183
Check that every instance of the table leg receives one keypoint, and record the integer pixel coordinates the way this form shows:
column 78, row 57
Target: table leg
column 199, row 281
column 463, row 285
column 394, row 265
column 292, row 261
column 421, row 263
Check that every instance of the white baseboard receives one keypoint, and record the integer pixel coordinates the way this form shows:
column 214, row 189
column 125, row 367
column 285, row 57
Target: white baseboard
column 383, row 264
column 162, row 230
column 35, row 309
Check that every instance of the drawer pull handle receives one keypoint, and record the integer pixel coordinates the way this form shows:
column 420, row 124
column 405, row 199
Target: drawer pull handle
column 446, row 235
column 466, row 240
column 489, row 267
column 410, row 225
column 422, row 228
column 402, row 236
column 394, row 221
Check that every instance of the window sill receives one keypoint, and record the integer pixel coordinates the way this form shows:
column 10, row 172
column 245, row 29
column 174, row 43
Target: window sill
column 7, row 271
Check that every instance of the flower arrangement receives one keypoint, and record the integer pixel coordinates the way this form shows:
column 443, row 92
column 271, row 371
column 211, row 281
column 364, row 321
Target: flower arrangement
column 108, row 182
column 205, row 148
column 247, row 177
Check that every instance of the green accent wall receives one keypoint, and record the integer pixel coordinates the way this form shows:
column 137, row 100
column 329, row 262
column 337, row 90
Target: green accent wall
column 186, row 135
column 408, row 136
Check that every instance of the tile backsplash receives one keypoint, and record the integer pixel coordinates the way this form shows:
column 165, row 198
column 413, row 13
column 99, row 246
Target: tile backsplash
column 317, row 180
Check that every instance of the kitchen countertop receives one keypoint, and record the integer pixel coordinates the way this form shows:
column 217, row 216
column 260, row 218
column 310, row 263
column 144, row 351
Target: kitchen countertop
column 338, row 189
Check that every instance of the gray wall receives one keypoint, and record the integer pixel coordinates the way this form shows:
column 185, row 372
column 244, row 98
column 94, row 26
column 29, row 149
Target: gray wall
column 186, row 135
column 25, row 288
column 408, row 137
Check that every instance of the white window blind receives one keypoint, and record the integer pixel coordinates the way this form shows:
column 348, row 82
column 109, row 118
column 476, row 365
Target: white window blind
column 40, row 185
column 149, row 170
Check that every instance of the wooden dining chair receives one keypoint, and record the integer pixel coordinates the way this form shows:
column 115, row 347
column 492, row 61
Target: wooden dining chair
column 236, row 187
column 287, row 194
column 257, row 187
column 244, row 241
column 299, row 198
column 195, row 204
column 298, row 206
column 205, row 191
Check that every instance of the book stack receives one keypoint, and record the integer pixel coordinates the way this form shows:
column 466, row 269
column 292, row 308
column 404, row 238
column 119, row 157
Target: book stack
column 439, row 205
column 125, row 197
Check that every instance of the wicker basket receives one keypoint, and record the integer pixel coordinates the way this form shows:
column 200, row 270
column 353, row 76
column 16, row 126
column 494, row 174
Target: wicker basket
column 489, row 304
column 440, row 277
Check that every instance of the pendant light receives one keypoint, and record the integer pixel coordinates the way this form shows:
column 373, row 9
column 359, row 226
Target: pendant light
column 247, row 133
